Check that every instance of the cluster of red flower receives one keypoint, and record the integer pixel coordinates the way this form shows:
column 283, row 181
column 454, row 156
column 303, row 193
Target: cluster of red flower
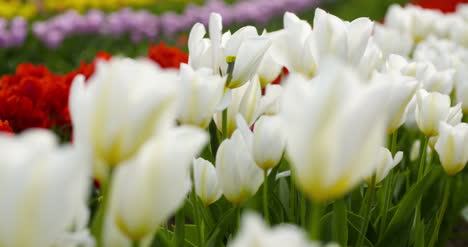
column 445, row 6
column 34, row 97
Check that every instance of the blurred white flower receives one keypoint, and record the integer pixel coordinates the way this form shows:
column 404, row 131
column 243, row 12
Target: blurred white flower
column 452, row 147
column 392, row 41
column 151, row 186
column 385, row 163
column 255, row 233
column 202, row 91
column 42, row 187
column 402, row 90
column 335, row 123
column 120, row 107
column 206, row 181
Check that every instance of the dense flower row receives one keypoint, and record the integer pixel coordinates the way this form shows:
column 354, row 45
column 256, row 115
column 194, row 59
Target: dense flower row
column 34, row 97
column 362, row 143
column 144, row 25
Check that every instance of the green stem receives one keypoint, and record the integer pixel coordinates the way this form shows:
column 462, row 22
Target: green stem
column 97, row 225
column 441, row 212
column 393, row 147
column 316, row 210
column 367, row 208
column 303, row 209
column 340, row 222
column 135, row 243
column 225, row 127
column 422, row 159
column 238, row 217
column 266, row 214
column 292, row 198
column 179, row 236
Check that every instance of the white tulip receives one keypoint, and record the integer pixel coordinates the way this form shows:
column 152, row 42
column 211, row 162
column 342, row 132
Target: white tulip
column 268, row 142
column 431, row 109
column 269, row 69
column 452, row 147
column 120, row 107
column 248, row 101
column 455, row 115
column 402, row 90
column 335, row 125
column 151, row 186
column 272, row 99
column 255, row 233
column 245, row 49
column 206, row 181
column 294, row 46
column 42, row 185
column 346, row 40
column 384, row 164
column 202, row 91
column 392, row 41
column 461, row 91
column 238, row 174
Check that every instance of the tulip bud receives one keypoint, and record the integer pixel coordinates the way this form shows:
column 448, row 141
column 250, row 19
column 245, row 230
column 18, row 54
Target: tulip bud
column 452, row 147
column 268, row 142
column 206, row 181
column 385, row 164
column 238, row 174
column 151, row 186
column 431, row 109
column 201, row 93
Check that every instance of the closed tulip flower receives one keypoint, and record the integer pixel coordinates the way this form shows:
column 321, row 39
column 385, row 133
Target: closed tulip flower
column 42, row 185
column 268, row 142
column 461, row 92
column 238, row 174
column 336, row 124
column 120, row 107
column 402, row 90
column 431, row 109
column 202, row 91
column 206, row 181
column 385, row 163
column 151, row 186
column 452, row 147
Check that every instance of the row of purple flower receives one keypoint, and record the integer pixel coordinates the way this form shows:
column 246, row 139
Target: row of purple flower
column 142, row 24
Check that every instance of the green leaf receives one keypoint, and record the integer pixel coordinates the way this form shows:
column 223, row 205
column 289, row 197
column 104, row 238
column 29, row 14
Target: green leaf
column 465, row 213
column 406, row 206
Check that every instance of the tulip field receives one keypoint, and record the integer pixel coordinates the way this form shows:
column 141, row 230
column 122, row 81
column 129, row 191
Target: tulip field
column 254, row 123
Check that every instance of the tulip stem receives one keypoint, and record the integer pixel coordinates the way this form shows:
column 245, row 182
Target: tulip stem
column 387, row 186
column 441, row 212
column 225, row 134
column 366, row 210
column 135, row 243
column 266, row 214
column 97, row 226
column 422, row 159
column 316, row 210
column 179, row 237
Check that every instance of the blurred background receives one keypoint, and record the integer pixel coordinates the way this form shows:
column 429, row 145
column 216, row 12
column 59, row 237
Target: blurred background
column 62, row 33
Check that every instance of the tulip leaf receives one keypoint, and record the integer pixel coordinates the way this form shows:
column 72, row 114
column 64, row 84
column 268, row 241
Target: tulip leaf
column 355, row 221
column 406, row 206
column 222, row 223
